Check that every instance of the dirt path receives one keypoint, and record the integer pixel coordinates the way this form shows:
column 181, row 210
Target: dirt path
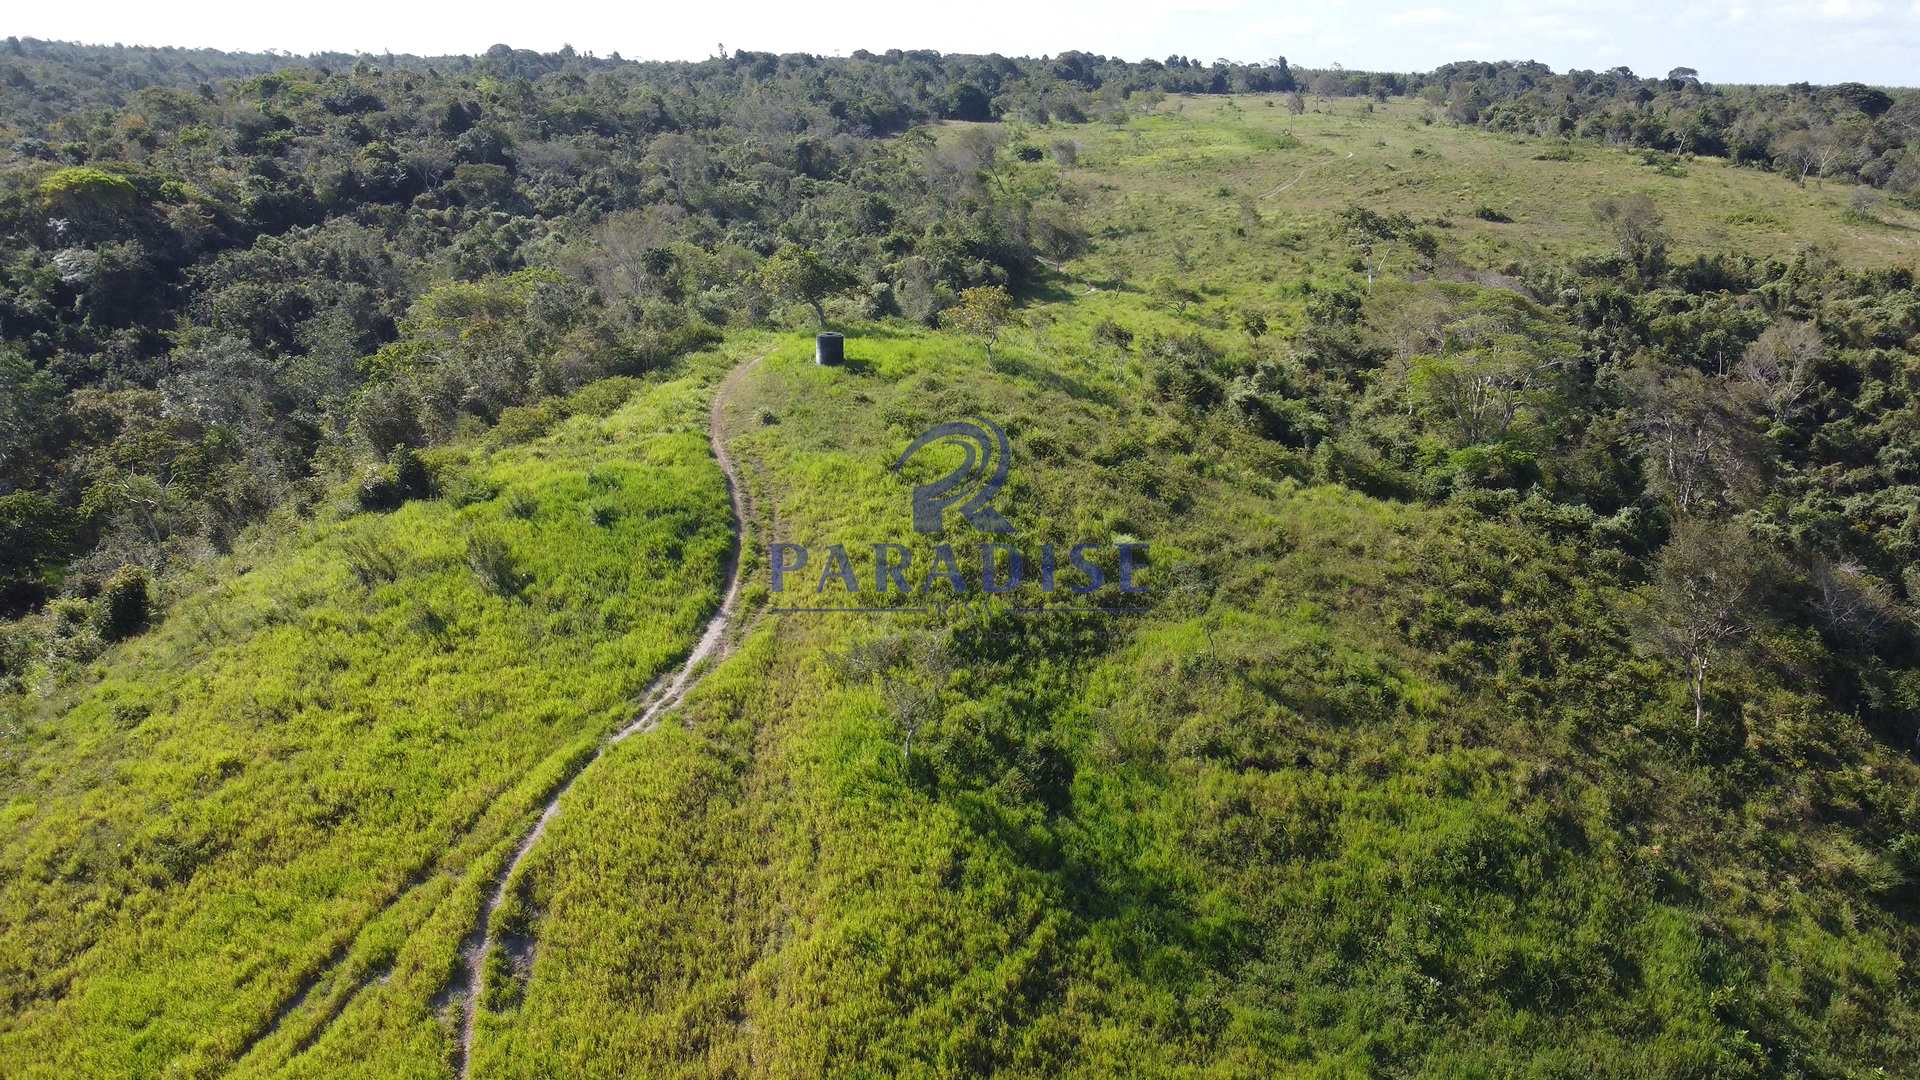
column 1303, row 175
column 660, row 698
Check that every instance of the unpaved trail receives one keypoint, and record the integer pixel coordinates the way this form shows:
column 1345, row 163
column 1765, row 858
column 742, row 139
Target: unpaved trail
column 660, row 698
column 1303, row 175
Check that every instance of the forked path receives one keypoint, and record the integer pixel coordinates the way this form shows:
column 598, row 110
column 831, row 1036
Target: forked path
column 660, row 698
column 1303, row 175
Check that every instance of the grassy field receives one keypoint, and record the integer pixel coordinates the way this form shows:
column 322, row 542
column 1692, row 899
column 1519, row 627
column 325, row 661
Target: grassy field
column 1362, row 795
column 1352, row 798
column 1195, row 160
column 289, row 794
column 1378, row 785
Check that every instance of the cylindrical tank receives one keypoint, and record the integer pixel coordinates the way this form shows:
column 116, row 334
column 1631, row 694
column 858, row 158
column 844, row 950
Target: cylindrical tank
column 829, row 348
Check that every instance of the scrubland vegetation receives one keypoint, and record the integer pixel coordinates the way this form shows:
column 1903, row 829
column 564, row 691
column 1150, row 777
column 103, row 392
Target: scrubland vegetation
column 1528, row 683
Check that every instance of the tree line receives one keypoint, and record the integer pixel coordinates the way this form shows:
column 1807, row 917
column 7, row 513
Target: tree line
column 233, row 280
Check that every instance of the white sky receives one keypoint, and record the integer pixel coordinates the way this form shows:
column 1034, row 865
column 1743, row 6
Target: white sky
column 1876, row 41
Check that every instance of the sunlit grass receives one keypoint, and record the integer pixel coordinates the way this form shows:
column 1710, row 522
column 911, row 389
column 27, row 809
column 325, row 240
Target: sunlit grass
column 1370, row 789
column 1374, row 786
column 355, row 717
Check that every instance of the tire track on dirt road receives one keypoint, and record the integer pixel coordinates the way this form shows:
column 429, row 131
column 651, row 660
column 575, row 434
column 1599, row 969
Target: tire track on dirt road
column 1303, row 175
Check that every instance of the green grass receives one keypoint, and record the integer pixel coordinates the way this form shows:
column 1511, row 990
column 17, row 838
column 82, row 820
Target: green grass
column 322, row 756
column 1379, row 784
column 1352, row 799
column 1376, row 787
column 1168, row 169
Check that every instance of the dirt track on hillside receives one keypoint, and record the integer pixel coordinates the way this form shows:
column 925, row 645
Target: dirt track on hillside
column 1303, row 175
column 660, row 698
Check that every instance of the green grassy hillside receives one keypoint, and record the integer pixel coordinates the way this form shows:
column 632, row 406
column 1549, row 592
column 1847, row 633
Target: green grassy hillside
column 1171, row 168
column 1359, row 796
column 1377, row 788
column 291, row 792
column 1389, row 776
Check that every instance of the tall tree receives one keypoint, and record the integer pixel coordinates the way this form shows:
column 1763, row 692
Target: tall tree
column 1372, row 234
column 797, row 274
column 1778, row 368
column 1700, row 453
column 981, row 313
column 1639, row 232
column 1705, row 583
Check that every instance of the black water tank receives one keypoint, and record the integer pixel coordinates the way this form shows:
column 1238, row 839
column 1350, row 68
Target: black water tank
column 829, row 348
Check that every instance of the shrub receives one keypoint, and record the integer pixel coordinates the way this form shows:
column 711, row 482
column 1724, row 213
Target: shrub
column 1182, row 368
column 602, row 398
column 411, row 473
column 378, row 489
column 1905, row 853
column 33, row 531
column 370, row 563
column 467, row 490
column 387, row 411
column 71, row 632
column 523, row 423
column 492, row 560
column 1108, row 332
column 14, row 650
column 1863, row 207
column 126, row 603
column 388, row 486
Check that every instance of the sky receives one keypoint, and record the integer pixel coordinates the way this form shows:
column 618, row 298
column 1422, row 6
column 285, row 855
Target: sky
column 1775, row 41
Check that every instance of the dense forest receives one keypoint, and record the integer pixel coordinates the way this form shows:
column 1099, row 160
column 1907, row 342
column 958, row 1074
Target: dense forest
column 216, row 294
